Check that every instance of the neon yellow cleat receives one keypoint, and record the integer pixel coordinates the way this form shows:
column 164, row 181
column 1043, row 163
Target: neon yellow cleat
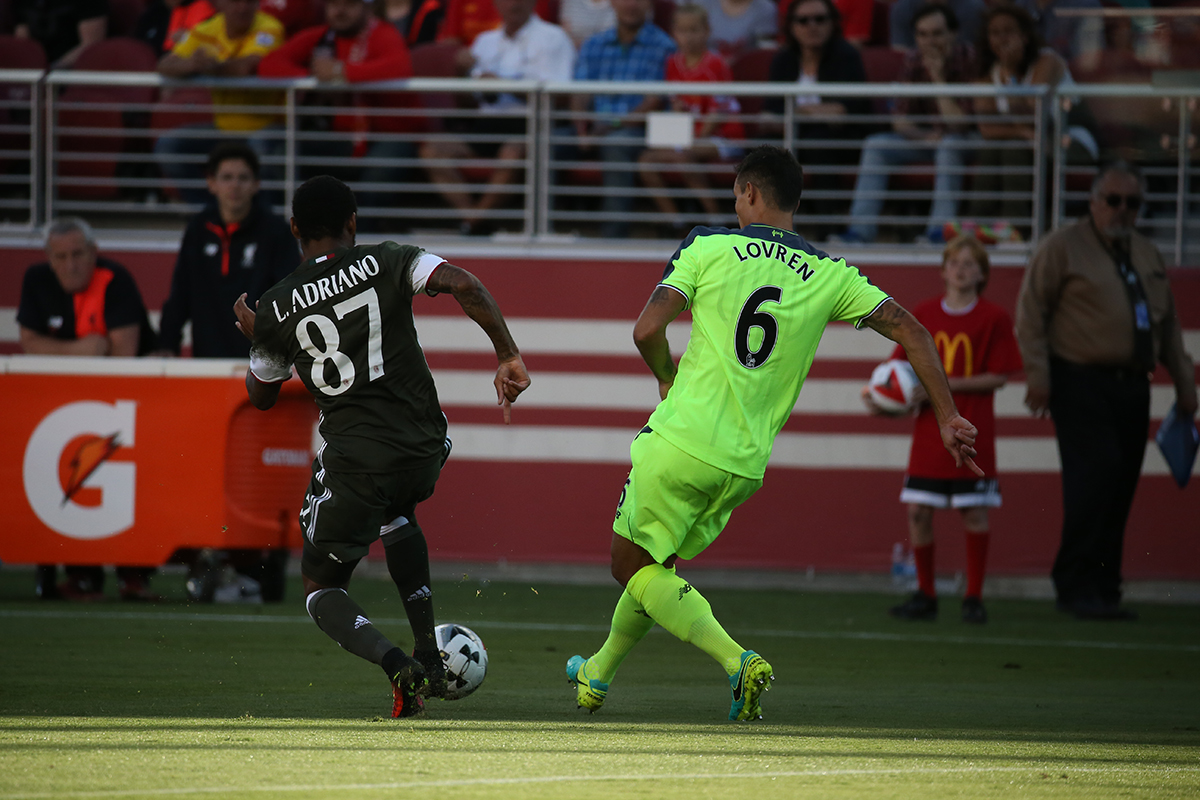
column 590, row 693
column 747, row 685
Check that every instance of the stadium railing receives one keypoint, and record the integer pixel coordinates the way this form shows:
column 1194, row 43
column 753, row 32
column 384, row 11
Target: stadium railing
column 81, row 143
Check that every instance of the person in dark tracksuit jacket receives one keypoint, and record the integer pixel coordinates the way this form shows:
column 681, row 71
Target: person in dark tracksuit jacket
column 235, row 245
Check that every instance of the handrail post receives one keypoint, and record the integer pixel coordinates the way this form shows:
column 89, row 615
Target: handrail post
column 542, row 163
column 50, row 146
column 289, row 150
column 35, row 153
column 1186, row 106
column 1039, row 168
column 1058, row 190
column 789, row 122
column 531, row 139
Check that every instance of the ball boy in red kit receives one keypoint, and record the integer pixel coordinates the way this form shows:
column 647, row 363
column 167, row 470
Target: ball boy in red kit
column 979, row 351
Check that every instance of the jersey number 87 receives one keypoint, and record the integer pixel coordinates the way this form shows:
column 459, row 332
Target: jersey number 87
column 329, row 333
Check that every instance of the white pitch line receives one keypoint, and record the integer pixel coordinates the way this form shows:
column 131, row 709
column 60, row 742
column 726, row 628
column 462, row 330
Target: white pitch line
column 572, row 628
column 1036, row 766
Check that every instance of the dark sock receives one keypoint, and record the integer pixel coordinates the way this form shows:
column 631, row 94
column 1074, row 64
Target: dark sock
column 344, row 621
column 408, row 564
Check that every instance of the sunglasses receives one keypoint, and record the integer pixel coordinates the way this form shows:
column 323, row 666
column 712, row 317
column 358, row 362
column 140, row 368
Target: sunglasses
column 816, row 19
column 1132, row 201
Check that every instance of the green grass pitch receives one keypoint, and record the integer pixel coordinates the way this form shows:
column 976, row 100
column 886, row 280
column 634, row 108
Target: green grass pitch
column 114, row 700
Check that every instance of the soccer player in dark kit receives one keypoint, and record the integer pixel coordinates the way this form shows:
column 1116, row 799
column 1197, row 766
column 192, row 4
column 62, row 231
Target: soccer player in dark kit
column 344, row 320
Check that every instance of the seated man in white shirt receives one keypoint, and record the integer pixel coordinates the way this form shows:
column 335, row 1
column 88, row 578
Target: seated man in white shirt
column 523, row 47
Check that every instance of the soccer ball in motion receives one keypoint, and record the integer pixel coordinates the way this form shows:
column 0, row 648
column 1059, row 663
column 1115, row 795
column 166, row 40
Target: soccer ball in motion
column 892, row 386
column 465, row 657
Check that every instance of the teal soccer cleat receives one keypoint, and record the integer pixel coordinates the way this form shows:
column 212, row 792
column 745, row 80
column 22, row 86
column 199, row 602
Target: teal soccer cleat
column 590, row 693
column 747, row 685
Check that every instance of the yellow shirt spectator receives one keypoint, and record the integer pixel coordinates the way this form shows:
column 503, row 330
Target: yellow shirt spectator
column 265, row 34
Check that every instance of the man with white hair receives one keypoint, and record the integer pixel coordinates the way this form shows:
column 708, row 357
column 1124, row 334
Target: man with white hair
column 1094, row 317
column 78, row 303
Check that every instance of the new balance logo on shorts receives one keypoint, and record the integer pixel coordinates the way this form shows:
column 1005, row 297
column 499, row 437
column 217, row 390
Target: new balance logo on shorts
column 361, row 621
column 687, row 587
column 420, row 594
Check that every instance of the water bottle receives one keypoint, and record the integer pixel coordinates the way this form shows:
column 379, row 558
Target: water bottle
column 898, row 564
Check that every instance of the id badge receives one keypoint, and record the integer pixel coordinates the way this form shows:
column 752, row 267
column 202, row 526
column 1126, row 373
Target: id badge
column 1142, row 315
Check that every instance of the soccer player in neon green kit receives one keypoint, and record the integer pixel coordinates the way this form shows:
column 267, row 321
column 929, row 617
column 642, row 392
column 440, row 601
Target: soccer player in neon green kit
column 760, row 299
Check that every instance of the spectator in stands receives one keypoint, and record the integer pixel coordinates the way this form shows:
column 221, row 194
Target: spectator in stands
column 1079, row 40
column 635, row 50
column 583, row 19
column 1010, row 54
column 741, row 25
column 163, row 23
column 715, row 139
column 353, row 46
column 81, row 304
column 416, row 20
column 1095, row 316
column 523, row 46
column 922, row 128
column 969, row 13
column 230, row 44
column 62, row 27
column 815, row 52
column 235, row 245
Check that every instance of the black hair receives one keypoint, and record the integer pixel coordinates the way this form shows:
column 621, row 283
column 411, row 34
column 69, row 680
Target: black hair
column 231, row 151
column 1033, row 41
column 929, row 9
column 776, row 173
column 322, row 208
column 835, row 17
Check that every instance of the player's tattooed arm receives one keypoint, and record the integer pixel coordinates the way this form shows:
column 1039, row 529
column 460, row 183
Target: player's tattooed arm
column 958, row 435
column 478, row 304
column 650, row 335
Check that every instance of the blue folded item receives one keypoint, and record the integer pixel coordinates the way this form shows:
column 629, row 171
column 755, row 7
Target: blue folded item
column 1178, row 440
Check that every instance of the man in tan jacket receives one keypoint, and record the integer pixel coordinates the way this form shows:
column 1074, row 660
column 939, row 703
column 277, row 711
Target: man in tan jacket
column 1094, row 317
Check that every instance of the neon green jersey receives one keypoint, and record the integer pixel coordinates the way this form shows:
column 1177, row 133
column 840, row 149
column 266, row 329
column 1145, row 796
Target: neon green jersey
column 760, row 299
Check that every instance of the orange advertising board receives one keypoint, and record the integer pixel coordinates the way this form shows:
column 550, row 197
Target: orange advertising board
column 124, row 461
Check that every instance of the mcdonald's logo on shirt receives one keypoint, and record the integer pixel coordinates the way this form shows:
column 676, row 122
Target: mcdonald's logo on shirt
column 948, row 347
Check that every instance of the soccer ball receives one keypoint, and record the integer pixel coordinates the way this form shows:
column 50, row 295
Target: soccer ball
column 892, row 386
column 465, row 657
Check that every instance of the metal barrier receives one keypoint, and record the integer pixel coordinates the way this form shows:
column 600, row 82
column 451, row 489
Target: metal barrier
column 101, row 153
column 831, row 159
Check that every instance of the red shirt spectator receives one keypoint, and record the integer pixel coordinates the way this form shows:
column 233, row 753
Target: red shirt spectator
column 711, row 68
column 376, row 53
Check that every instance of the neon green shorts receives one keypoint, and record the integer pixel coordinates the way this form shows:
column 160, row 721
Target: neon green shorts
column 674, row 504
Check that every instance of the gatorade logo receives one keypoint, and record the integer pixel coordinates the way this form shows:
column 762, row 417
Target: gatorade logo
column 70, row 483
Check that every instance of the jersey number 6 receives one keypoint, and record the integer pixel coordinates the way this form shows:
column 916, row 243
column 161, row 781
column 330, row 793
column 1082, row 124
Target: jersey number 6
column 329, row 332
column 750, row 318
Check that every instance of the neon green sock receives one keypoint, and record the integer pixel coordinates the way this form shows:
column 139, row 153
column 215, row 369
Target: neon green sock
column 680, row 608
column 630, row 624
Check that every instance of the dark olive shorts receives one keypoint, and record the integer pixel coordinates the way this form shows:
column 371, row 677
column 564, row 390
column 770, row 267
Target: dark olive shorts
column 345, row 513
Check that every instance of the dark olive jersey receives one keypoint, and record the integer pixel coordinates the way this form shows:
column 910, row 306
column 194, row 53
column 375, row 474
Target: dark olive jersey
column 345, row 321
